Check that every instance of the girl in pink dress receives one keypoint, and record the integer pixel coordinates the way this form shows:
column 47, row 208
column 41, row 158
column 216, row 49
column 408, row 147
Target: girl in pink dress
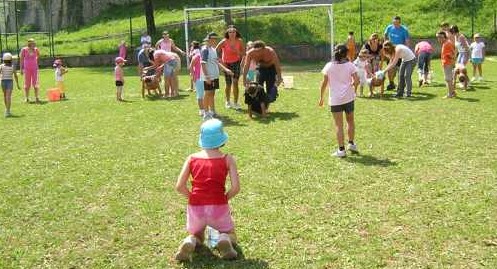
column 28, row 60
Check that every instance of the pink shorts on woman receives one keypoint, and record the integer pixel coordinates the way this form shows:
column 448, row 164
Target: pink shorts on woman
column 216, row 216
column 30, row 78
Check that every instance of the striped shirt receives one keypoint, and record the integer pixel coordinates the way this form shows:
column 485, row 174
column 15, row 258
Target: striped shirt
column 6, row 72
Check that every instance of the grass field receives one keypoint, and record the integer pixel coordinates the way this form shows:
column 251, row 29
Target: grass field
column 89, row 182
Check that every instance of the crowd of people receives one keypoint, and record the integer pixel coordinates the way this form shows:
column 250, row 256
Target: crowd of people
column 259, row 66
column 229, row 54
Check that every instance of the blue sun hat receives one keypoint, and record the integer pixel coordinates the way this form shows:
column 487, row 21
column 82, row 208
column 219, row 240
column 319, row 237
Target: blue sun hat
column 212, row 134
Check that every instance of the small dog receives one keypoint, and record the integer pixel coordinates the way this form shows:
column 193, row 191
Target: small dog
column 256, row 99
column 376, row 82
column 151, row 82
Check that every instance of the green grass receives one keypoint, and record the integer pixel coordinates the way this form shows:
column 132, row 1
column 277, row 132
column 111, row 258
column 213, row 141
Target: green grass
column 89, row 182
column 422, row 17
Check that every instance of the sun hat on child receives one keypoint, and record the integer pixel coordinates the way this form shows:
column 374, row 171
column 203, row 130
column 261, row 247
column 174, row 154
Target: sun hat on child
column 120, row 60
column 212, row 134
column 7, row 57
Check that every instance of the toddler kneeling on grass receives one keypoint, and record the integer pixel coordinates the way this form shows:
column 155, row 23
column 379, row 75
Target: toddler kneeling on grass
column 208, row 198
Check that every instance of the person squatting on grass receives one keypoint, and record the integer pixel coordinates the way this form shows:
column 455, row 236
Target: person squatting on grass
column 447, row 58
column 60, row 71
column 210, row 73
column 208, row 198
column 7, row 72
column 269, row 68
column 232, row 51
column 28, row 63
column 396, row 53
column 119, row 76
column 195, row 70
column 477, row 56
column 341, row 77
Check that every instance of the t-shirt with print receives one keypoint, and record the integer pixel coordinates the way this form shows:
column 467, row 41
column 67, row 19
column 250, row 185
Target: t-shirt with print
column 340, row 82
column 209, row 57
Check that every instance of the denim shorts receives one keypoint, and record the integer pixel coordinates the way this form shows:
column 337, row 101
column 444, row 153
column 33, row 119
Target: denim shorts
column 7, row 84
column 477, row 60
column 169, row 68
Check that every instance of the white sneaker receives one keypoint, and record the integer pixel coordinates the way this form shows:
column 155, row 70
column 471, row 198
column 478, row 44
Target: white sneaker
column 473, row 79
column 207, row 115
column 185, row 250
column 228, row 105
column 236, row 106
column 353, row 148
column 339, row 153
column 225, row 248
column 201, row 112
column 480, row 78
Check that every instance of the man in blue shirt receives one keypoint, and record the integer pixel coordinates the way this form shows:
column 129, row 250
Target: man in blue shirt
column 397, row 34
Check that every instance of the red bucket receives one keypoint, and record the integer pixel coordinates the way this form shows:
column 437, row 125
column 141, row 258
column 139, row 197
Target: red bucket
column 53, row 95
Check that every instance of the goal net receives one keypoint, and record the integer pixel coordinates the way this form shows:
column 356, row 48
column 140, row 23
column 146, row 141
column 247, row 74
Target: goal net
column 305, row 31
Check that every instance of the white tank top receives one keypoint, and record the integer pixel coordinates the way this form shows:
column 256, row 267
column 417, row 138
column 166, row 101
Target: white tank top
column 404, row 53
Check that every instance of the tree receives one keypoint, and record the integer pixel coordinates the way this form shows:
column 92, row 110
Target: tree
column 149, row 15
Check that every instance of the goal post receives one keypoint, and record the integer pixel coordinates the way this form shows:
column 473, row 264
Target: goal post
column 277, row 8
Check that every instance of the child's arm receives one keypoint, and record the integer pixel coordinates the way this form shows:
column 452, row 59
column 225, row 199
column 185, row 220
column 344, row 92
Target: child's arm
column 324, row 83
column 64, row 70
column 235, row 181
column 183, row 178
column 16, row 79
column 355, row 79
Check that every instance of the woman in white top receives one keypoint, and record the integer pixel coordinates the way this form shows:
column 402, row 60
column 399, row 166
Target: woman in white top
column 461, row 44
column 395, row 53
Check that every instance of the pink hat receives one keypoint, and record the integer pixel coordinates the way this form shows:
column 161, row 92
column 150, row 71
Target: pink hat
column 57, row 62
column 120, row 60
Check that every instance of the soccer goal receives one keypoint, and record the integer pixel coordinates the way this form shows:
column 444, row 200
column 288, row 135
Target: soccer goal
column 262, row 22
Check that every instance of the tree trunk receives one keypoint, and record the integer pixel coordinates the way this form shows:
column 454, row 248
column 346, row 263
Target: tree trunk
column 149, row 15
column 227, row 14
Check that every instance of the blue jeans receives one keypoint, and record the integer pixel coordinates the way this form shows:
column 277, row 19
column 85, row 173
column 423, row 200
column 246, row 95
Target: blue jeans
column 405, row 80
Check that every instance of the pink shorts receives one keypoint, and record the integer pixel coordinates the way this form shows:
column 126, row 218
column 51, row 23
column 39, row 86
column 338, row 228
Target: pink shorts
column 216, row 216
column 30, row 78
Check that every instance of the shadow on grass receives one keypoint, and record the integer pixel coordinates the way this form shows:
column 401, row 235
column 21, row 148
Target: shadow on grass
column 420, row 96
column 479, row 87
column 467, row 99
column 273, row 116
column 369, row 160
column 227, row 121
column 41, row 102
column 14, row 116
column 205, row 258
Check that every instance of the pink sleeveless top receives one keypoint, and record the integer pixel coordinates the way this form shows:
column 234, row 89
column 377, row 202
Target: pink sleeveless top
column 230, row 52
column 30, row 60
column 165, row 45
column 209, row 178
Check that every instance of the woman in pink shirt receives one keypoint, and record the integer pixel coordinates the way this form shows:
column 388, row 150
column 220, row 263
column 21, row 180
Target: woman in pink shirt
column 341, row 77
column 423, row 50
column 232, row 51
column 28, row 62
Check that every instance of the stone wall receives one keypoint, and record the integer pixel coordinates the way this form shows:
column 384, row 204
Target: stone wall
column 286, row 54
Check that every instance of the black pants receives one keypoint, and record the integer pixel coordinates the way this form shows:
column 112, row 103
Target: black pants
column 267, row 75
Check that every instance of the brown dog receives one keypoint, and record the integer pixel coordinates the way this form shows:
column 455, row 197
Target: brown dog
column 151, row 83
